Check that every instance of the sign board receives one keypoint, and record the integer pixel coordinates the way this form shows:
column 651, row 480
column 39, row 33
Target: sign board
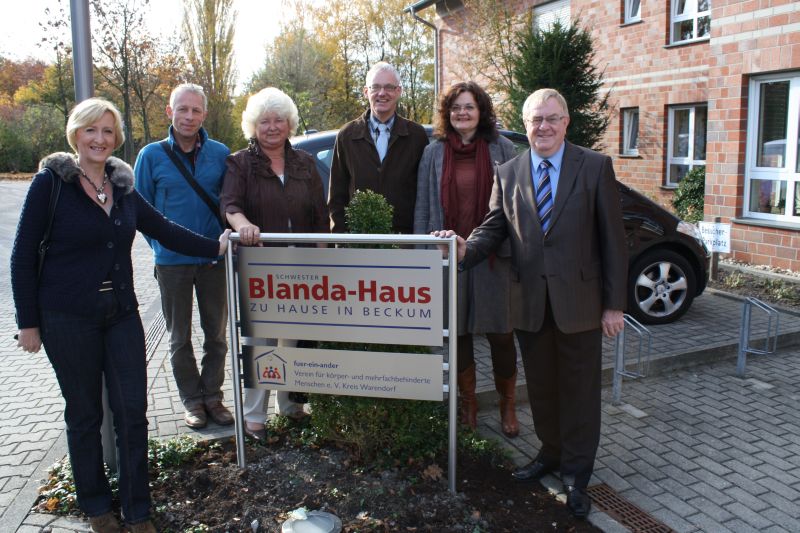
column 717, row 236
column 344, row 294
column 343, row 372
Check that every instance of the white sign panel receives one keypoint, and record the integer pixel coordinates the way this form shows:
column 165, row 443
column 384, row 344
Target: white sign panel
column 717, row 236
column 342, row 294
column 343, row 372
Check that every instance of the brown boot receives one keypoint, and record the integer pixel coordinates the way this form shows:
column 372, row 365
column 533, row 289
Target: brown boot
column 469, row 403
column 105, row 523
column 507, row 388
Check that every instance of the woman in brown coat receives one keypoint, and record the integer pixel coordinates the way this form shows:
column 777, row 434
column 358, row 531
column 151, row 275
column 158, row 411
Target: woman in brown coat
column 271, row 187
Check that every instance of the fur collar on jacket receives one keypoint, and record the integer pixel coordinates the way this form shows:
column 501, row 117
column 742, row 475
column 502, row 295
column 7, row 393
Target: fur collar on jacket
column 66, row 165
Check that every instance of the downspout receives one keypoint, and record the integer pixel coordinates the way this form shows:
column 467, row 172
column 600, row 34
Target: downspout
column 410, row 9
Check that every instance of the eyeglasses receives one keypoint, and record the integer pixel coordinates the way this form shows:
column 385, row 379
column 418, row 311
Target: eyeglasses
column 388, row 87
column 469, row 108
column 552, row 120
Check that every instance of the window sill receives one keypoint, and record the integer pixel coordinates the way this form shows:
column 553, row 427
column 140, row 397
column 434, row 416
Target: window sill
column 631, row 23
column 687, row 43
column 764, row 223
column 629, row 156
column 668, row 187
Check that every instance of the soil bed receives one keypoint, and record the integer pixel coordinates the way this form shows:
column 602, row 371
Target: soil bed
column 783, row 292
column 212, row 491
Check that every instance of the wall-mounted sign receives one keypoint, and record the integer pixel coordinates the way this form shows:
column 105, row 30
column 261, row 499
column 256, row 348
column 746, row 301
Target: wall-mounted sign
column 357, row 295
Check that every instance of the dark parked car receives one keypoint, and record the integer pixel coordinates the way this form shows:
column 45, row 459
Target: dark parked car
column 667, row 258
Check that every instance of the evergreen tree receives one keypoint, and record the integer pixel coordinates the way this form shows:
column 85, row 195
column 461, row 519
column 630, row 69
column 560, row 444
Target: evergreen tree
column 562, row 58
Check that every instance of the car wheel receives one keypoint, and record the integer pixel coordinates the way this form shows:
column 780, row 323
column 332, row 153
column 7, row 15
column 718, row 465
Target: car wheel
column 661, row 287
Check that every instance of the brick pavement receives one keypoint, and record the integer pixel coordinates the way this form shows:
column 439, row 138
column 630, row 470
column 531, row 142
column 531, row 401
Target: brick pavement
column 704, row 450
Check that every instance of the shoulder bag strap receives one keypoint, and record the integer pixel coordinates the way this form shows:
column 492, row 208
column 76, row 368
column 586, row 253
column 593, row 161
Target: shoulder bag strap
column 44, row 244
column 193, row 182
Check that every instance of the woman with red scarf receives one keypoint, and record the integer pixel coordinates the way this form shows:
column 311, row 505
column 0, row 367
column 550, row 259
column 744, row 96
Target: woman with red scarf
column 454, row 183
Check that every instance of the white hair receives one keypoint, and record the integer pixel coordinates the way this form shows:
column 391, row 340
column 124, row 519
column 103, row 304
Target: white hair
column 269, row 100
column 539, row 97
column 190, row 88
column 381, row 66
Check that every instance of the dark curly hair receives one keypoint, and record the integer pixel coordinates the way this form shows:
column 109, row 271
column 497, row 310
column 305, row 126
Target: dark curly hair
column 487, row 121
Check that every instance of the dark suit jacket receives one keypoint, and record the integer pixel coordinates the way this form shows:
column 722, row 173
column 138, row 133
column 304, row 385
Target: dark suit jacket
column 356, row 166
column 581, row 265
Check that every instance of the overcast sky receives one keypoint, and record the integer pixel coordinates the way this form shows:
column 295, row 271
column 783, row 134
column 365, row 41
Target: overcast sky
column 257, row 24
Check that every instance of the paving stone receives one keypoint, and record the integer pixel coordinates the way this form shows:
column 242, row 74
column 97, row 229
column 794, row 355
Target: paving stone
column 706, row 523
column 782, row 520
column 748, row 515
column 673, row 520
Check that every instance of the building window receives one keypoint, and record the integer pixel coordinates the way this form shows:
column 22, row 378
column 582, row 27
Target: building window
column 772, row 176
column 687, row 141
column 630, row 131
column 633, row 11
column 691, row 20
column 545, row 16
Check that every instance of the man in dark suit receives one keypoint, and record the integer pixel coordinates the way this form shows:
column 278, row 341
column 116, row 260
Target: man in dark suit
column 558, row 205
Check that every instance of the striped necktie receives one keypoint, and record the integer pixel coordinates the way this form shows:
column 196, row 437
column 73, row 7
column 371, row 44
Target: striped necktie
column 544, row 196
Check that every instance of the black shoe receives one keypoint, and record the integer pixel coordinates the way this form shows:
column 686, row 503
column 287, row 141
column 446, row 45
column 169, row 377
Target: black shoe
column 533, row 471
column 259, row 435
column 578, row 501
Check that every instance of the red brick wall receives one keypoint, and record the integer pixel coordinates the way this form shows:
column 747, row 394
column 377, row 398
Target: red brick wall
column 748, row 37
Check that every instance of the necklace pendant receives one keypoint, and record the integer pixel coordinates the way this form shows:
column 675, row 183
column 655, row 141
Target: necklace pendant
column 101, row 196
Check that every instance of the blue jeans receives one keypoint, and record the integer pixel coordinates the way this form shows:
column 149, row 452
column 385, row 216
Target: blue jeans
column 176, row 283
column 83, row 348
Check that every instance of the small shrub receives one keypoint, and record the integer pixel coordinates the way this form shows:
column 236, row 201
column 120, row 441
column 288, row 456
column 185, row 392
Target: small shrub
column 689, row 198
column 376, row 429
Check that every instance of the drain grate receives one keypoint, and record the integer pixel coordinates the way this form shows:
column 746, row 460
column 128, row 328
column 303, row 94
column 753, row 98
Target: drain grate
column 153, row 335
column 607, row 500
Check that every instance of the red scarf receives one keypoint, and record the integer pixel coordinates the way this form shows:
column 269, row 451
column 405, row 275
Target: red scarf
column 483, row 176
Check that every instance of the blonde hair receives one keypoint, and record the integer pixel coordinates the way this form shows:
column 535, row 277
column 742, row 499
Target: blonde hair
column 90, row 111
column 269, row 100
column 539, row 97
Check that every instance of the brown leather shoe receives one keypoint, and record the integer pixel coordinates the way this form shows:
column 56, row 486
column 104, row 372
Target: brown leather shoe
column 219, row 413
column 105, row 523
column 469, row 403
column 507, row 388
column 195, row 417
column 142, row 527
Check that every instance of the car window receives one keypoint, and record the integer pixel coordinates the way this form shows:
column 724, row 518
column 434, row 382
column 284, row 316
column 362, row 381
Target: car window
column 325, row 157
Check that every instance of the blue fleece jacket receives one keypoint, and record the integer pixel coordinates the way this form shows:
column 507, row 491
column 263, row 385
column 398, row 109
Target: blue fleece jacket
column 162, row 185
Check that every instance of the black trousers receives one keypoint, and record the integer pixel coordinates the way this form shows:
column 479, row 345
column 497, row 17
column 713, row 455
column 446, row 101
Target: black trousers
column 563, row 371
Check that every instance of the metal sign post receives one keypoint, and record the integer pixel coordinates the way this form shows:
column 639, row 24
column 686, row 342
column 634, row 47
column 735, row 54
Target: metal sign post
column 343, row 294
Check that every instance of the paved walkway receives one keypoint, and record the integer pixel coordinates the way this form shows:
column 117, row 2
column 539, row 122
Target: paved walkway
column 698, row 449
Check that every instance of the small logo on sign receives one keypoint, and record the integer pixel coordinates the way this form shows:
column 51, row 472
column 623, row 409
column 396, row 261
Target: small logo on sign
column 271, row 368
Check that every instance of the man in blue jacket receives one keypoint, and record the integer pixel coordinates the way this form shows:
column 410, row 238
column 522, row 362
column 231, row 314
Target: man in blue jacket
column 164, row 173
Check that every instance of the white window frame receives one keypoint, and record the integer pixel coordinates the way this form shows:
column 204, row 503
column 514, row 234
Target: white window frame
column 690, row 14
column 689, row 160
column 789, row 172
column 545, row 15
column 629, row 16
column 630, row 131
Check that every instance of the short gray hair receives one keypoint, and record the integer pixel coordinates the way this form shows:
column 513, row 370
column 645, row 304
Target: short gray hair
column 539, row 97
column 381, row 66
column 269, row 100
column 191, row 88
